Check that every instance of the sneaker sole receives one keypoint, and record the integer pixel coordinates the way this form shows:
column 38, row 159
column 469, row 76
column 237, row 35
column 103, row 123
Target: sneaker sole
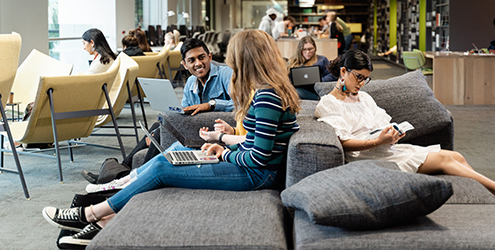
column 47, row 218
column 67, row 241
column 103, row 190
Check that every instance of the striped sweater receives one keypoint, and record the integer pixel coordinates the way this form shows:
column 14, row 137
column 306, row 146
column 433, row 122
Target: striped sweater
column 269, row 129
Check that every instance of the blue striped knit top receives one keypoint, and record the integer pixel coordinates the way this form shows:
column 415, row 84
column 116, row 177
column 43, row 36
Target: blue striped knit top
column 269, row 129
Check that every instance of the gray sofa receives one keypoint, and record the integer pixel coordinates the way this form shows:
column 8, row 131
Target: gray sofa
column 175, row 218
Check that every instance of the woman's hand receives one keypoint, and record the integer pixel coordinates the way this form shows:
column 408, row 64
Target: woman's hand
column 213, row 149
column 222, row 127
column 389, row 136
column 209, row 136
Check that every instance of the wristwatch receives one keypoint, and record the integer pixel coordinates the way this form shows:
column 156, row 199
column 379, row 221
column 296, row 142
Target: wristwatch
column 212, row 104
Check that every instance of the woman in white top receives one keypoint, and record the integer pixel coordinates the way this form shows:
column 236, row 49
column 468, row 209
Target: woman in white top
column 354, row 114
column 94, row 43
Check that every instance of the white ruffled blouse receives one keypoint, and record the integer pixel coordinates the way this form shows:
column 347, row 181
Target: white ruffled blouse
column 355, row 117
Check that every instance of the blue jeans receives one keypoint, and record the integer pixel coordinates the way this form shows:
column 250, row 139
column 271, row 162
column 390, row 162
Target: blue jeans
column 306, row 94
column 158, row 173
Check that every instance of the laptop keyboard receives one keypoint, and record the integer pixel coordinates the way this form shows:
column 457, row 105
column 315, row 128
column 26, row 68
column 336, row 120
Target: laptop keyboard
column 185, row 156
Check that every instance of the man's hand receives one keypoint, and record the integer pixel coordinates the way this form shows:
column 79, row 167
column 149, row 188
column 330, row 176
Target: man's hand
column 198, row 108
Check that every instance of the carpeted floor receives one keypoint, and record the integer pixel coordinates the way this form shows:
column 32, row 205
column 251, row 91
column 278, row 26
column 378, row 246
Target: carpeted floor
column 22, row 226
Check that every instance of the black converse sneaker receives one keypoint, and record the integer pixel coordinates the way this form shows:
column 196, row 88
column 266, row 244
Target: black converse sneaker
column 80, row 239
column 68, row 219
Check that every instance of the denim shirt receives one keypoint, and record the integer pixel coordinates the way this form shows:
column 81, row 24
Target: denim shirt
column 216, row 88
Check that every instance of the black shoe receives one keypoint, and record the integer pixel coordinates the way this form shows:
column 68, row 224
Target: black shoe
column 68, row 219
column 92, row 178
column 80, row 239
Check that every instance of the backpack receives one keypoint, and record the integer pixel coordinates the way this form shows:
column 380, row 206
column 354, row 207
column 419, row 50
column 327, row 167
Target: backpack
column 110, row 170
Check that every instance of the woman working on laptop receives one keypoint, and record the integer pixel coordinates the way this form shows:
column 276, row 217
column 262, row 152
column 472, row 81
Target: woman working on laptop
column 306, row 56
column 269, row 118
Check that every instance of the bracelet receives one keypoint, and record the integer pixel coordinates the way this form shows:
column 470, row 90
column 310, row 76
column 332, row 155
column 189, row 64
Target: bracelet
column 220, row 137
column 93, row 213
column 364, row 145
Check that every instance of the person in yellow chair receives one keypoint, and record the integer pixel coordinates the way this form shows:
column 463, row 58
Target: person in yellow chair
column 95, row 43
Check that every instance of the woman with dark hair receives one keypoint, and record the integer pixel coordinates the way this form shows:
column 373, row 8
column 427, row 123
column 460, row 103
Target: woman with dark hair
column 94, row 43
column 142, row 40
column 306, row 56
column 354, row 115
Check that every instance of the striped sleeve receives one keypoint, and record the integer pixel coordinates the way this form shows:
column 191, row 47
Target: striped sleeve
column 264, row 118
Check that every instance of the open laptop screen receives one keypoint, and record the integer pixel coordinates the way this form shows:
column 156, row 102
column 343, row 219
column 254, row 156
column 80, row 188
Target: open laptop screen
column 305, row 75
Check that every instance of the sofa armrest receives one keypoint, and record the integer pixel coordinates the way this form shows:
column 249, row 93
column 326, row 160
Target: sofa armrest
column 185, row 128
column 315, row 147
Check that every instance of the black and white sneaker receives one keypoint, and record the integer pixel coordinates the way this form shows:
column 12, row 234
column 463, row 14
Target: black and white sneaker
column 82, row 238
column 68, row 219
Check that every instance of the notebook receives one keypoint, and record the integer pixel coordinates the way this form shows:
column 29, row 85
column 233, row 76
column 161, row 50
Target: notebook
column 182, row 157
column 305, row 75
column 161, row 95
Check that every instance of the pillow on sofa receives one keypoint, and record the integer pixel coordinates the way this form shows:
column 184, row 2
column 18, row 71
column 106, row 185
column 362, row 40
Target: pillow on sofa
column 405, row 98
column 362, row 195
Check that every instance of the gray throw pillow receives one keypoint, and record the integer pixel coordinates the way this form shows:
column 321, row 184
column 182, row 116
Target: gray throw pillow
column 362, row 195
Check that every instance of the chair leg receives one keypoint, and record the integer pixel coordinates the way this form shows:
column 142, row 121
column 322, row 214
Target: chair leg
column 115, row 125
column 133, row 111
column 141, row 103
column 71, row 154
column 14, row 151
column 55, row 136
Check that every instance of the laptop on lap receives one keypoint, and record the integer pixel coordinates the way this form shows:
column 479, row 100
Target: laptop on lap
column 302, row 76
column 182, row 157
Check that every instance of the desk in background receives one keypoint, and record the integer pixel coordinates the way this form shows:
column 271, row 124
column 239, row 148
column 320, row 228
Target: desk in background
column 463, row 79
column 324, row 46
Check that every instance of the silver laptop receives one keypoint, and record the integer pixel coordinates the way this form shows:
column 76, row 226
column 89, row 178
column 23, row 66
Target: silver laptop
column 182, row 157
column 161, row 95
column 305, row 75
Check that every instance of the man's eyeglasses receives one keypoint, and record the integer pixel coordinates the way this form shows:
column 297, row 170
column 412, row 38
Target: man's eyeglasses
column 360, row 77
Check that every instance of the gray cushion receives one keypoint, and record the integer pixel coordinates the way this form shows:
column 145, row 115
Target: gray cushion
column 450, row 227
column 175, row 218
column 406, row 98
column 315, row 147
column 185, row 128
column 468, row 191
column 362, row 195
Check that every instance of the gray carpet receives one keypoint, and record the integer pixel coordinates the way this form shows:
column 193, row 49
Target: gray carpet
column 23, row 227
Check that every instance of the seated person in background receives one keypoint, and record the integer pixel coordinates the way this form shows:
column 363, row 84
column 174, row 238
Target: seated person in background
column 170, row 40
column 281, row 28
column 206, row 89
column 95, row 44
column 142, row 40
column 335, row 31
column 354, row 114
column 306, row 56
column 256, row 163
column 130, row 45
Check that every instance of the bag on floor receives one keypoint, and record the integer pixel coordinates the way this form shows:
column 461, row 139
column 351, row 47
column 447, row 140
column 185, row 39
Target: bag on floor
column 110, row 170
column 84, row 200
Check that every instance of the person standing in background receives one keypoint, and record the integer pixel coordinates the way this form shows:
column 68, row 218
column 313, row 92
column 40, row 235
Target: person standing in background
column 268, row 21
column 346, row 31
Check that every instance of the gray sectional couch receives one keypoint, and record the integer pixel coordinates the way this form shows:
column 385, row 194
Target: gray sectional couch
column 175, row 218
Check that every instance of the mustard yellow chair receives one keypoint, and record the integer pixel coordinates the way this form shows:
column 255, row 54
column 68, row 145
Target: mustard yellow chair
column 10, row 48
column 121, row 92
column 67, row 107
column 35, row 65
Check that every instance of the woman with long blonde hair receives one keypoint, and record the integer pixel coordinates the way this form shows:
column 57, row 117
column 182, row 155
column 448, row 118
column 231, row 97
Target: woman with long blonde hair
column 306, row 56
column 256, row 163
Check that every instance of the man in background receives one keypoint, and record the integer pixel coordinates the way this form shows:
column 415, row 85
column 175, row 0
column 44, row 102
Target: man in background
column 268, row 21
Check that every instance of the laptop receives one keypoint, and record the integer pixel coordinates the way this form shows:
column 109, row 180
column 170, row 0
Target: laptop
column 302, row 76
column 161, row 95
column 182, row 157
